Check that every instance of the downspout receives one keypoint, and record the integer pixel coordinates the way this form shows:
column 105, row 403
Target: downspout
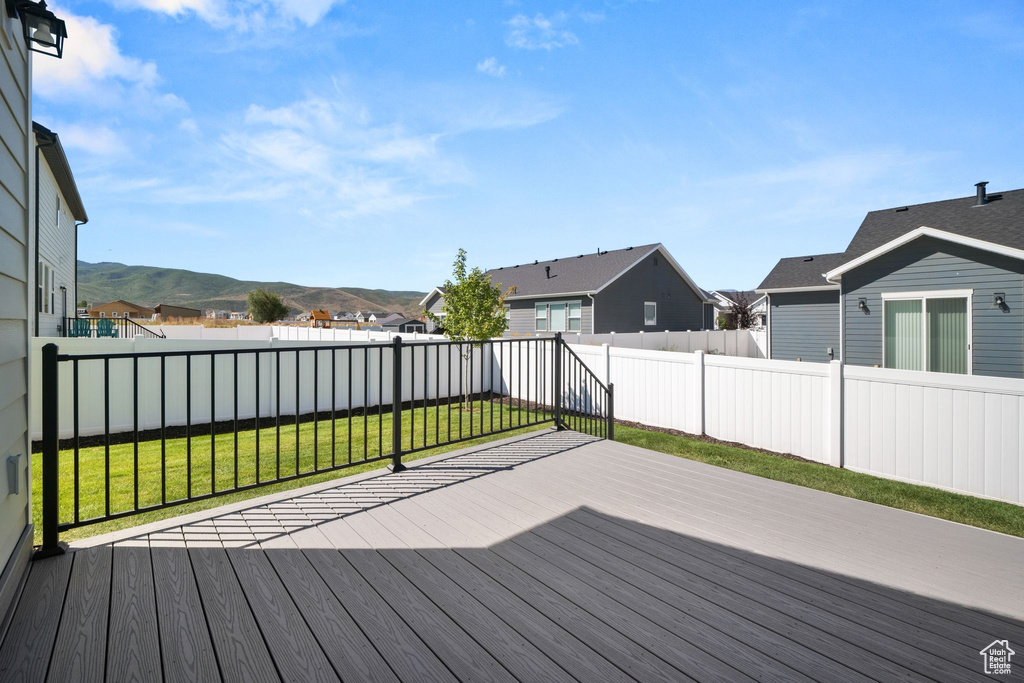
column 49, row 143
column 593, row 314
column 77, row 225
column 768, row 324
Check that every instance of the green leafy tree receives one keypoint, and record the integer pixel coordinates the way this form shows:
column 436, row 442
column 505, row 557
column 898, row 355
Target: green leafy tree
column 473, row 309
column 266, row 306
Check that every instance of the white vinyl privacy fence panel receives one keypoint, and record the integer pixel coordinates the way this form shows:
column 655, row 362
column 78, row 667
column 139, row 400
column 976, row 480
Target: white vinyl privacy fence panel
column 957, row 432
column 781, row 406
column 952, row 431
column 736, row 343
column 286, row 380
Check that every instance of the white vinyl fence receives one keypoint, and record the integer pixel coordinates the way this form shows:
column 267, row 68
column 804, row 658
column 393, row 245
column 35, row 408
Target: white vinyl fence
column 282, row 332
column 428, row 372
column 962, row 433
column 737, row 343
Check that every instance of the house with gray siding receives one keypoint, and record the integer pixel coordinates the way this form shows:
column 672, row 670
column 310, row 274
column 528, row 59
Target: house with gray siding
column 934, row 287
column 622, row 290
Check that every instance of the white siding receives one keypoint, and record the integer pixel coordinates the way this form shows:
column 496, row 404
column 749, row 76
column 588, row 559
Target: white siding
column 56, row 248
column 16, row 281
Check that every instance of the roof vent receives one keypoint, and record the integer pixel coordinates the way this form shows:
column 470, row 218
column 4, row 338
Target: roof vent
column 808, row 258
column 547, row 272
column 580, row 256
column 902, row 208
column 982, row 200
column 629, row 248
column 516, row 266
column 535, row 261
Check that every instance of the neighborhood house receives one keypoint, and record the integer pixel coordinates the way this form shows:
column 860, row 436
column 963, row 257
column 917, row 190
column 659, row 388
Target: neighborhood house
column 936, row 287
column 122, row 309
column 59, row 211
column 624, row 290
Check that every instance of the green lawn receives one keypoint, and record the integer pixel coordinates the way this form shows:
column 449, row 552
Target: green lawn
column 377, row 440
column 987, row 514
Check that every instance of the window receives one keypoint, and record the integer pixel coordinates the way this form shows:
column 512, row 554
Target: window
column 115, row 314
column 541, row 317
column 103, row 314
column 560, row 316
column 575, row 317
column 45, row 281
column 927, row 331
column 650, row 313
column 126, row 314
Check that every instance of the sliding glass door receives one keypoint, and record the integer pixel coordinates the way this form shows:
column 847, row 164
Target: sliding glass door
column 947, row 335
column 927, row 331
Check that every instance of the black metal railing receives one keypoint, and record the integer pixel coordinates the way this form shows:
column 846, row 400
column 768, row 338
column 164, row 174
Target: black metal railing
column 127, row 433
column 111, row 328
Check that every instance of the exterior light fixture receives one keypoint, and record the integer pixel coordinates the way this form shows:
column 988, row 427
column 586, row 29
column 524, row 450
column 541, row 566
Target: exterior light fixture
column 862, row 304
column 1000, row 300
column 43, row 31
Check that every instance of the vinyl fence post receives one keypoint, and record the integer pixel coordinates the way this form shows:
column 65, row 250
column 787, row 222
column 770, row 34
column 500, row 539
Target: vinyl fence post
column 607, row 350
column 51, row 450
column 556, row 394
column 396, row 406
column 698, row 392
column 835, row 409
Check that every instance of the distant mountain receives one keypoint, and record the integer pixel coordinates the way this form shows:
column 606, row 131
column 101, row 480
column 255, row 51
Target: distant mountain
column 148, row 286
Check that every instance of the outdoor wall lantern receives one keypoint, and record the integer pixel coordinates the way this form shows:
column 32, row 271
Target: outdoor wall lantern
column 862, row 304
column 43, row 31
column 1000, row 300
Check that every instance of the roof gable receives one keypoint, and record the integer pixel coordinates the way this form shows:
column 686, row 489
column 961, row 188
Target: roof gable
column 999, row 221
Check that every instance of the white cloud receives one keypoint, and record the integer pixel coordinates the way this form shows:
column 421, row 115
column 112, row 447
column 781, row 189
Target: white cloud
column 491, row 67
column 189, row 126
column 95, row 71
column 96, row 140
column 241, row 15
column 540, row 32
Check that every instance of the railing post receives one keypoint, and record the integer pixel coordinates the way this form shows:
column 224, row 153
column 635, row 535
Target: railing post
column 51, row 448
column 556, row 394
column 611, row 412
column 396, row 406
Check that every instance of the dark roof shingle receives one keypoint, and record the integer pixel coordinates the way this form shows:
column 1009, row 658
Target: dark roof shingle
column 1001, row 221
column 581, row 273
column 802, row 271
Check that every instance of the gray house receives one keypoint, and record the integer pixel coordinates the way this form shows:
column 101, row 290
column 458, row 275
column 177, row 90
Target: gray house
column 936, row 287
column 403, row 325
column 624, row 290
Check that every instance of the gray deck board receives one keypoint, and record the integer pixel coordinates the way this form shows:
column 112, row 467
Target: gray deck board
column 80, row 651
column 185, row 645
column 241, row 651
column 551, row 556
column 134, row 652
column 26, row 652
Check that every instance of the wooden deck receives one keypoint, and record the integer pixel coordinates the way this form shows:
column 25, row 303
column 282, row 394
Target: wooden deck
column 552, row 557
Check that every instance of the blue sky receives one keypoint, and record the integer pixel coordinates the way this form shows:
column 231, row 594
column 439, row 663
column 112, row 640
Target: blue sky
column 362, row 143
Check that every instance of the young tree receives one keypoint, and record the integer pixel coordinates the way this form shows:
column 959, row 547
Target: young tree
column 266, row 306
column 742, row 317
column 473, row 309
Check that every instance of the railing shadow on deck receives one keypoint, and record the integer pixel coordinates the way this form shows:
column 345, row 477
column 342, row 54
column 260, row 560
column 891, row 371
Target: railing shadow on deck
column 298, row 510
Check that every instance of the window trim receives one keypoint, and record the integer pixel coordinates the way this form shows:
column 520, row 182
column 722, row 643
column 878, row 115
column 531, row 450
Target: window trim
column 923, row 296
column 654, row 322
